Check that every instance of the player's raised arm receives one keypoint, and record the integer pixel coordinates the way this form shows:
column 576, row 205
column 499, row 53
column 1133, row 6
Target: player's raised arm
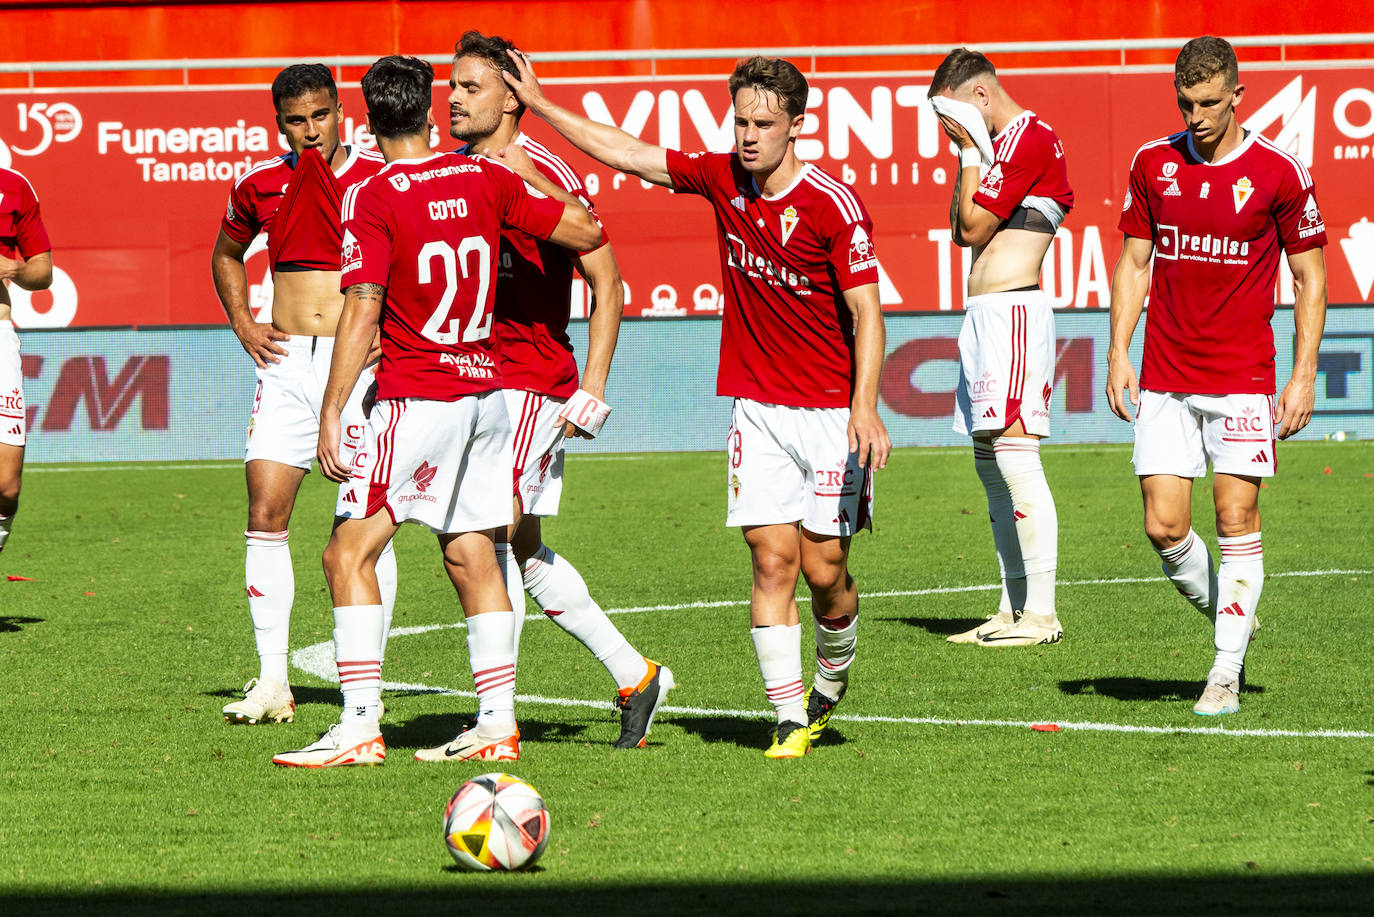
column 362, row 310
column 971, row 224
column 603, row 142
column 1296, row 402
column 602, row 274
column 867, row 434
column 1130, row 285
column 231, row 285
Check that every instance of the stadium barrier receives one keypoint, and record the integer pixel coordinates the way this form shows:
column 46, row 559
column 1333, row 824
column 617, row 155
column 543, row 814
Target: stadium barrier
column 173, row 394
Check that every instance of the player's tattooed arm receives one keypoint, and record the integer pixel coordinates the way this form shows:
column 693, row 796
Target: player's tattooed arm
column 954, row 209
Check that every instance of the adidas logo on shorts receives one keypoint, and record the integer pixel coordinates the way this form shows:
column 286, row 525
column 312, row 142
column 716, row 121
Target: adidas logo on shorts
column 1262, row 458
column 990, row 412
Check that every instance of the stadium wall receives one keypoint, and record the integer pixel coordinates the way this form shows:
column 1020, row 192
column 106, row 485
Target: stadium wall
column 173, row 394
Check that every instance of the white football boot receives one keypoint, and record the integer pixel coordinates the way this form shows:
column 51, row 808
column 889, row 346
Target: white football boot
column 264, row 700
column 994, row 623
column 337, row 748
column 1029, row 630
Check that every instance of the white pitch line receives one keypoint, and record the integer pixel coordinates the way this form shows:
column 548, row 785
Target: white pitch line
column 318, row 660
column 188, row 466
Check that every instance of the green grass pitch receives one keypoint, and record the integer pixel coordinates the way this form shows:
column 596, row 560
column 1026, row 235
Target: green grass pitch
column 124, row 791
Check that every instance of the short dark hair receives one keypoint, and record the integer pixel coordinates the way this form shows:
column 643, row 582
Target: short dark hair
column 492, row 49
column 1203, row 58
column 772, row 74
column 958, row 67
column 298, row 79
column 399, row 92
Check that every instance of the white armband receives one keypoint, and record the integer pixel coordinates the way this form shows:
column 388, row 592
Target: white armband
column 586, row 412
column 970, row 156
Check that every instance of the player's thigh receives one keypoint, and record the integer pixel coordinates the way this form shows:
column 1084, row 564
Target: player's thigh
column 536, row 450
column 284, row 426
column 824, row 560
column 1168, row 507
column 766, row 485
column 838, row 493
column 1238, row 433
column 1168, row 437
column 272, row 489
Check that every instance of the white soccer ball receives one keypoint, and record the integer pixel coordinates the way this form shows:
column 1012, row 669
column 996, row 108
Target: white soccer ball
column 496, row 822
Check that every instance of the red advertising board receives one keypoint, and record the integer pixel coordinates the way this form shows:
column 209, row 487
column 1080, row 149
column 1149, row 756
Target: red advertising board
column 133, row 182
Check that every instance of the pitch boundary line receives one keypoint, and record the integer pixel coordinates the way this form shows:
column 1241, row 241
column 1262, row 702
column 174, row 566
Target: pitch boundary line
column 318, row 660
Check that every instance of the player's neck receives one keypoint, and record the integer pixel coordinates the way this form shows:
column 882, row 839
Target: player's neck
column 405, row 146
column 1225, row 145
column 340, row 157
column 498, row 139
column 1003, row 113
column 781, row 178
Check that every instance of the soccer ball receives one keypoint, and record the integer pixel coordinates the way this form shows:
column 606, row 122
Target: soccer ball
column 496, row 822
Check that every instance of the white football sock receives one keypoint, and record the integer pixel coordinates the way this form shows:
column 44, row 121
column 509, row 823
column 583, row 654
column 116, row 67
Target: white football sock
column 560, row 592
column 835, row 641
column 490, row 647
column 271, row 586
column 515, row 591
column 386, row 583
column 5, row 523
column 779, row 652
column 1188, row 565
column 358, row 653
column 1037, row 523
column 1240, row 579
column 1003, row 519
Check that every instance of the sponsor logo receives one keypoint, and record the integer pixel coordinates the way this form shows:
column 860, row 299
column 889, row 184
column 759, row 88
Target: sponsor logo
column 991, row 185
column 400, row 182
column 1172, row 190
column 1262, row 458
column 1311, row 223
column 16, row 430
column 861, row 256
column 990, row 412
column 424, row 476
column 734, row 486
column 1126, row 202
column 742, row 259
column 1359, row 253
column 1045, row 394
column 1017, row 514
column 1172, row 244
column 1248, row 422
column 790, row 219
column 229, row 210
column 350, row 497
column 1204, row 191
column 470, row 365
column 835, row 482
column 738, row 202
column 1169, row 169
column 352, row 252
column 403, row 181
column 254, row 592
column 1241, row 191
column 1232, row 609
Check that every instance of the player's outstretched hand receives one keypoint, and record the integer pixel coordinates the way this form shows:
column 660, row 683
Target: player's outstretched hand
column 868, row 437
column 525, row 86
column 327, row 449
column 1122, row 384
column 259, row 341
column 1294, row 408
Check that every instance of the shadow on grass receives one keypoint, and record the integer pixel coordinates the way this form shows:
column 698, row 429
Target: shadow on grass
column 1251, row 894
column 431, row 729
column 302, row 694
column 942, row 626
column 14, row 625
column 1144, row 688
column 755, row 734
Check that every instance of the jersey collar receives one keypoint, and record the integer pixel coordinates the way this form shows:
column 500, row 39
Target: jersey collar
column 801, row 173
column 1229, row 157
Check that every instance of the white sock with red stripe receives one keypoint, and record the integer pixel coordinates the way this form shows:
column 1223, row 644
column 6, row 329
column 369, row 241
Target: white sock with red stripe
column 515, row 591
column 835, row 642
column 560, row 592
column 271, row 585
column 386, row 583
column 1037, row 523
column 1188, row 565
column 1240, row 579
column 779, row 651
column 490, row 647
column 358, row 653
column 1003, row 518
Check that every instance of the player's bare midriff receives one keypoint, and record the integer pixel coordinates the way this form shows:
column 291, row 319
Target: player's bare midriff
column 306, row 302
column 1010, row 261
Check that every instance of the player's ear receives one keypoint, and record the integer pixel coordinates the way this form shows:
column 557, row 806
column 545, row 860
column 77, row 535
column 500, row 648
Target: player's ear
column 794, row 131
column 1236, row 94
column 429, row 120
column 512, row 103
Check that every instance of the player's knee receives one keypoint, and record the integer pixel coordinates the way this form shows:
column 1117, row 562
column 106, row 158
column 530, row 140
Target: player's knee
column 9, row 494
column 267, row 517
column 773, row 568
column 339, row 559
column 1165, row 533
column 1237, row 520
column 826, row 576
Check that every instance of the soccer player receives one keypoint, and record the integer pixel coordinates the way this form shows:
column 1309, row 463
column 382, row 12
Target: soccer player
column 294, row 198
column 420, row 251
column 26, row 261
column 1213, row 205
column 1008, row 216
column 801, row 347
column 539, row 375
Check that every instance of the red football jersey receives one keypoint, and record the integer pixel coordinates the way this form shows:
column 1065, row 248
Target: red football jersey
column 21, row 225
column 1217, row 230
column 429, row 231
column 1028, row 169
column 787, row 336
column 258, row 194
column 533, row 294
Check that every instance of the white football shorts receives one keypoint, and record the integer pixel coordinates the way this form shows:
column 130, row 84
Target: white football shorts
column 790, row 464
column 285, row 423
column 444, row 464
column 13, row 420
column 1006, row 363
column 538, row 450
column 1178, row 434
